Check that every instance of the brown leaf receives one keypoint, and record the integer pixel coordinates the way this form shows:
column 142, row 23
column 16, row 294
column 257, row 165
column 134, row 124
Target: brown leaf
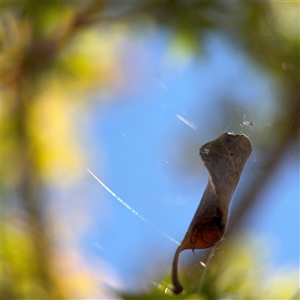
column 224, row 159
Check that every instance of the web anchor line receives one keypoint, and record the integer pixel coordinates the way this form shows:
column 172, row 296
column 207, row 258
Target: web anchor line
column 133, row 210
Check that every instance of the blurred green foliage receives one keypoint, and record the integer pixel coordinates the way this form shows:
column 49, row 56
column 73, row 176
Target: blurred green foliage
column 54, row 54
column 231, row 274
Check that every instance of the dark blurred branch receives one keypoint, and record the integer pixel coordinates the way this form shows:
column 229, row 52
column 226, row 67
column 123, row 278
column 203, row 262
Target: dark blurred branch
column 45, row 50
column 41, row 52
column 290, row 137
column 250, row 197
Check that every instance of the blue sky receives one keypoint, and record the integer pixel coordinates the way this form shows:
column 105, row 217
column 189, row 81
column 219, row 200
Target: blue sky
column 142, row 149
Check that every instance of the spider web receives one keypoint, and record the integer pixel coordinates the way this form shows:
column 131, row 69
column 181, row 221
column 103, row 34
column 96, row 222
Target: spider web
column 152, row 152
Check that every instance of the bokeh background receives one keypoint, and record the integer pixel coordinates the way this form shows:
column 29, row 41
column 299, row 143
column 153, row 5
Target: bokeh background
column 131, row 90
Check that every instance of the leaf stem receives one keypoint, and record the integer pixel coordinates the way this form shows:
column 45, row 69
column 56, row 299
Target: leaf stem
column 177, row 287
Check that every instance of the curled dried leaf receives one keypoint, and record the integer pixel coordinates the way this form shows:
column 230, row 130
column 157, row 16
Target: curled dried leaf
column 224, row 159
